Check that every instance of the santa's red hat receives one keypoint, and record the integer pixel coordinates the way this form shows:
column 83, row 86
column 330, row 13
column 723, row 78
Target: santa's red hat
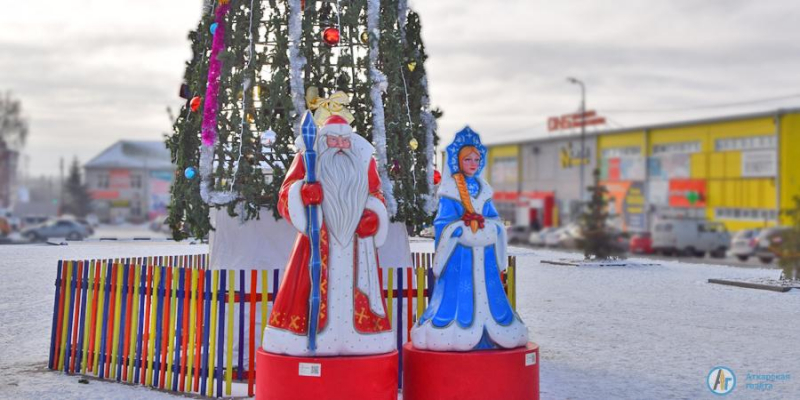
column 336, row 125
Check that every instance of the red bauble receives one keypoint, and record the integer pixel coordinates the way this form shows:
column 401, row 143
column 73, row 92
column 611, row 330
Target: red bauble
column 194, row 104
column 331, row 36
column 437, row 177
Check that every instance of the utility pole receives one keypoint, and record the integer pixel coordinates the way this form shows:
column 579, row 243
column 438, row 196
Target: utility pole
column 61, row 186
column 583, row 158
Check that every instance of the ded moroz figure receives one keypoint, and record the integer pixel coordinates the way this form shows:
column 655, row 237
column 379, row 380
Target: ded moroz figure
column 469, row 309
column 351, row 312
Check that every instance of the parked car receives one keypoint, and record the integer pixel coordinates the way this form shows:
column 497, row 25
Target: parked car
column 620, row 239
column 60, row 228
column 5, row 227
column 517, row 233
column 13, row 222
column 744, row 243
column 551, row 239
column 81, row 220
column 767, row 240
column 93, row 220
column 693, row 237
column 158, row 224
column 537, row 238
column 568, row 237
column 30, row 220
column 641, row 243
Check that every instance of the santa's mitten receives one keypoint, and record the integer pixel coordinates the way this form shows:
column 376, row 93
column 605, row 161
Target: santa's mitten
column 311, row 193
column 368, row 225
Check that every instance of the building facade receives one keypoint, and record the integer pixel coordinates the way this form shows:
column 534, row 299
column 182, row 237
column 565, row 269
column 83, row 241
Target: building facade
column 739, row 170
column 130, row 181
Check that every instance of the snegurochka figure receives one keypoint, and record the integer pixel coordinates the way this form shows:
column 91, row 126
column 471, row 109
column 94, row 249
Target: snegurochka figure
column 469, row 309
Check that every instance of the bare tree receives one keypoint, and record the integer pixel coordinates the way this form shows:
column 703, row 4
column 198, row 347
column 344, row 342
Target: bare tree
column 13, row 125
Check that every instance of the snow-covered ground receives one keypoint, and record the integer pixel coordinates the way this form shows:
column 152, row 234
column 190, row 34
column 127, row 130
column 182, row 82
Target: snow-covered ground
column 605, row 333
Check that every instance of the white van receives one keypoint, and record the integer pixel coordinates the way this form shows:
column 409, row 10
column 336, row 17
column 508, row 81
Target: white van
column 690, row 237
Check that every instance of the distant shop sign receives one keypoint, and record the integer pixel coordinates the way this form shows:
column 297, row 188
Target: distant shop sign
column 759, row 164
column 119, row 179
column 571, row 156
column 687, row 193
column 633, row 207
column 120, row 203
column 571, row 121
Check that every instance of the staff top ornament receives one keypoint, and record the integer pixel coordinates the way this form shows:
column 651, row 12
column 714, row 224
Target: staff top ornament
column 325, row 107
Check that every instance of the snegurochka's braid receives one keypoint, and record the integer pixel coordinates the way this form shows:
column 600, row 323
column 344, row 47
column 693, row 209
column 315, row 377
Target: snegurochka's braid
column 463, row 192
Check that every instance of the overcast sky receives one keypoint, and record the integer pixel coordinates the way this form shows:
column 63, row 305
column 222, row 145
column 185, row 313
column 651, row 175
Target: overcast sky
column 92, row 72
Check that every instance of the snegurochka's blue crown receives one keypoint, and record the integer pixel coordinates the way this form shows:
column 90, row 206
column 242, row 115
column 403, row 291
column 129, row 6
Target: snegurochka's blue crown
column 466, row 137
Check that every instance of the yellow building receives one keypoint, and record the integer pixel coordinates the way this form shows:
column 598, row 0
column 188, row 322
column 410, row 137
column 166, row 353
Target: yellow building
column 739, row 170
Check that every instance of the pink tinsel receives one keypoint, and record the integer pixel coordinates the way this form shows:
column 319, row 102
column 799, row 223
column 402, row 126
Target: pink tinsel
column 209, row 130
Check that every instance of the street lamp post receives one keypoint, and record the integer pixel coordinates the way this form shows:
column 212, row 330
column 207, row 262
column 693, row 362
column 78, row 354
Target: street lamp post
column 582, row 158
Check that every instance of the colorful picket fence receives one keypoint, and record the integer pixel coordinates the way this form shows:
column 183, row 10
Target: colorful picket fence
column 170, row 322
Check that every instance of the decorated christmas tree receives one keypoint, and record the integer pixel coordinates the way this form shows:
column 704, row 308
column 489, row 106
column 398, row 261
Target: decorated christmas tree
column 259, row 65
column 597, row 240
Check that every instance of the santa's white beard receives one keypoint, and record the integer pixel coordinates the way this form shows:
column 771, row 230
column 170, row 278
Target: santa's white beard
column 345, row 191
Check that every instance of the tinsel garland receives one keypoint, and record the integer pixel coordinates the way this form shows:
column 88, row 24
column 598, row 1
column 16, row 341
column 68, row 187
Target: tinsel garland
column 296, row 60
column 210, row 110
column 209, row 130
column 402, row 17
column 379, row 85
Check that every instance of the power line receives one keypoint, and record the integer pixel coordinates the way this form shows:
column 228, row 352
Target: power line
column 704, row 107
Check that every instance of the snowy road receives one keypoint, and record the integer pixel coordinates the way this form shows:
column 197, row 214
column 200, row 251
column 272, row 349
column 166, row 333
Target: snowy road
column 605, row 333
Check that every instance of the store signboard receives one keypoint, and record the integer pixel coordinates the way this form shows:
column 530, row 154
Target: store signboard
column 633, row 207
column 105, row 194
column 624, row 168
column 571, row 156
column 119, row 179
column 761, row 163
column 658, row 191
column 570, row 121
column 617, row 190
column 626, row 204
column 669, row 166
column 120, row 203
column 687, row 193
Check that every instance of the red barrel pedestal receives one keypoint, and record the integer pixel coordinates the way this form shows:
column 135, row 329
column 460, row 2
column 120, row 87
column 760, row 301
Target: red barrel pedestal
column 488, row 374
column 281, row 377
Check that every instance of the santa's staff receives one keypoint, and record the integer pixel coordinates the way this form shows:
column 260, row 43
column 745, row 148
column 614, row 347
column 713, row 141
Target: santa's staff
column 309, row 132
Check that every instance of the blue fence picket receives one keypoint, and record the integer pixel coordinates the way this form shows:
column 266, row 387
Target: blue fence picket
column 55, row 318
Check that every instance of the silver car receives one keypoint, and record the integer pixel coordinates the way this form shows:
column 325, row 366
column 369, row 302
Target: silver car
column 744, row 244
column 692, row 237
column 60, row 228
column 538, row 238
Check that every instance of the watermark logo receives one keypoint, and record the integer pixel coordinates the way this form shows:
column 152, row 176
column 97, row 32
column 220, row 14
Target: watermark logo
column 721, row 380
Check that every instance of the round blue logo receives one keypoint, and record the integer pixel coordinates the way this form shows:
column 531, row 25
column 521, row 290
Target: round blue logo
column 721, row 380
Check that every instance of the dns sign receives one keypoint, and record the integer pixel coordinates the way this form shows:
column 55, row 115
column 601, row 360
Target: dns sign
column 570, row 121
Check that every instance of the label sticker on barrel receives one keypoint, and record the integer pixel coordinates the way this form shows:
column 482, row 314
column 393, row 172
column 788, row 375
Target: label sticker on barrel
column 530, row 359
column 310, row 369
